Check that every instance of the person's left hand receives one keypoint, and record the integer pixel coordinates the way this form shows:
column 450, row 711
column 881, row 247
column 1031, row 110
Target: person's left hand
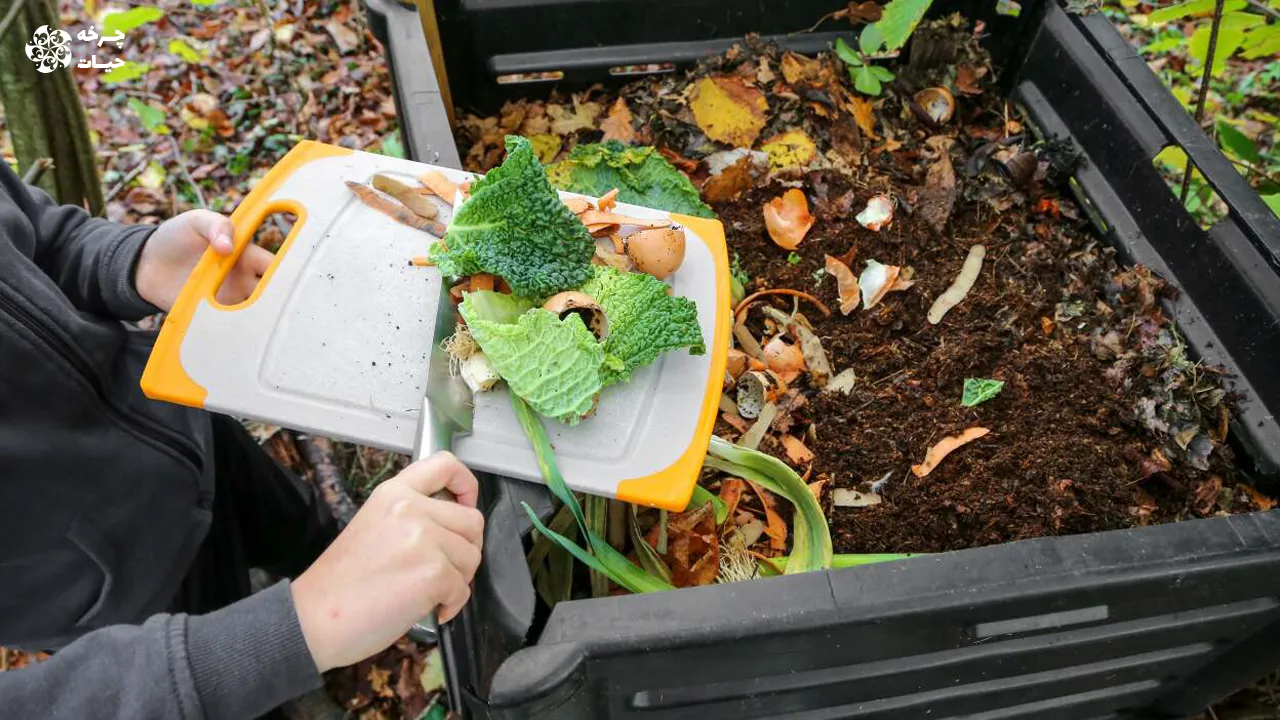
column 173, row 250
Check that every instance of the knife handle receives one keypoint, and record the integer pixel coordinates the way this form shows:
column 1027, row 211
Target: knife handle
column 428, row 629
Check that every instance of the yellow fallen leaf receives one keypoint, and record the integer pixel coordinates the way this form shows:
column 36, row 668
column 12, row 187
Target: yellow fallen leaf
column 864, row 114
column 546, row 147
column 565, row 120
column 798, row 67
column 728, row 110
column 944, row 448
column 791, row 149
column 618, row 125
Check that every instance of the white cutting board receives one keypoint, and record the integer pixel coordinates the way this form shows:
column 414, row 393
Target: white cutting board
column 335, row 341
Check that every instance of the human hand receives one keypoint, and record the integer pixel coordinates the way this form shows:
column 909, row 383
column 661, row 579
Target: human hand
column 403, row 555
column 173, row 250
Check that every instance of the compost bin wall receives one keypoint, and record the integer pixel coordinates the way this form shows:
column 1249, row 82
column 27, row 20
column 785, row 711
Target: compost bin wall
column 1159, row 620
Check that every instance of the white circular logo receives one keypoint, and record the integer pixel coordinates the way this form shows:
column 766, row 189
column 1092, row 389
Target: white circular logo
column 49, row 49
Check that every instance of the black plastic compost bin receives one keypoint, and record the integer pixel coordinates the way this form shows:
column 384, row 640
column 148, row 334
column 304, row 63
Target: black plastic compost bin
column 1157, row 622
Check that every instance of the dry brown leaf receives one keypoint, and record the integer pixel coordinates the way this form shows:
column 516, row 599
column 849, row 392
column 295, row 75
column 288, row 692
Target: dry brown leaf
column 728, row 110
column 618, row 125
column 860, row 12
column 787, row 219
column 944, row 447
column 864, row 114
column 797, row 453
column 729, row 184
column 798, row 68
column 394, row 210
column 693, row 547
column 846, row 283
column 775, row 527
column 344, row 37
column 967, row 79
column 764, row 73
column 1263, row 502
column 378, row 681
column 414, row 198
column 1204, row 494
column 938, row 197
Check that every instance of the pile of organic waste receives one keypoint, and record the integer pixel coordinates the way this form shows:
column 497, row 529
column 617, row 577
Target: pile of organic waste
column 932, row 350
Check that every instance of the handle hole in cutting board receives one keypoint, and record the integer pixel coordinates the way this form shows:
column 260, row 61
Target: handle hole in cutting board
column 237, row 289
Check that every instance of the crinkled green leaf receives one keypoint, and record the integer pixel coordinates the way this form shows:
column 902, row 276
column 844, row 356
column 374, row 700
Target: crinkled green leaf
column 980, row 390
column 641, row 175
column 496, row 307
column 644, row 321
column 899, row 20
column 555, row 365
column 515, row 227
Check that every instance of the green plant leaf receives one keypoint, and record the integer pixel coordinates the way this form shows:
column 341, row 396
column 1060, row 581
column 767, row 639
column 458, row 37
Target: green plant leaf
column 205, row 3
column 1273, row 202
column 152, row 117
column 793, row 258
column 870, row 41
column 1186, row 9
column 883, row 74
column 1163, row 45
column 1261, row 41
column 184, row 50
column 124, row 73
column 649, row 558
column 1237, row 143
column 865, row 82
column 702, row 496
column 980, row 390
column 1229, row 40
column 126, row 20
column 899, row 20
column 391, row 146
column 846, row 53
column 838, row 562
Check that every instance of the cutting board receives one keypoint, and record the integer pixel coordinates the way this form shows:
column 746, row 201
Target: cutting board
column 335, row 339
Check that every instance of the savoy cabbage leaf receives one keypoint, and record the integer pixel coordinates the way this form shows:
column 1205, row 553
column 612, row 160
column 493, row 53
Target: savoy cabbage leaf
column 515, row 226
column 644, row 321
column 554, row 364
column 642, row 176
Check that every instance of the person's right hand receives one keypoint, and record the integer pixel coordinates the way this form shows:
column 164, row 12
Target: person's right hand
column 403, row 555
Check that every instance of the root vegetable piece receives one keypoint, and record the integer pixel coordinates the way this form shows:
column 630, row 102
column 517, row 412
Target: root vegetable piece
column 478, row 373
column 395, row 210
column 441, row 186
column 960, row 287
column 412, row 197
column 944, row 447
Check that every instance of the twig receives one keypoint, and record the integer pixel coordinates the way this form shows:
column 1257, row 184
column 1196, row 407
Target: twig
column 186, row 174
column 1263, row 8
column 328, row 477
column 128, row 178
column 1256, row 170
column 11, row 16
column 1204, row 87
column 37, row 170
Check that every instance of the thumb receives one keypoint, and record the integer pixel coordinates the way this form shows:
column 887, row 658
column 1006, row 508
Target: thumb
column 216, row 229
column 441, row 471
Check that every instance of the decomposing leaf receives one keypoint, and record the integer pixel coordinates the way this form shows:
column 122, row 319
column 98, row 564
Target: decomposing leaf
column 378, row 681
column 864, row 115
column 797, row 453
column 775, row 527
column 1204, row 494
column 938, row 197
column 729, row 110
column 1263, row 502
column 849, row 497
column 967, row 79
column 846, row 283
column 546, row 146
column 617, row 126
column 345, row 38
column 799, row 68
column 860, row 12
column 693, row 548
column 944, row 447
column 787, row 219
column 960, row 286
column 764, row 73
column 412, row 197
column 792, row 149
column 729, row 184
column 566, row 120
column 815, row 356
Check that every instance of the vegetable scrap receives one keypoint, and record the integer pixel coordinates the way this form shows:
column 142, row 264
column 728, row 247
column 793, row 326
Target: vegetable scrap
column 980, row 390
column 787, row 219
column 960, row 287
column 877, row 214
column 944, row 447
column 395, row 210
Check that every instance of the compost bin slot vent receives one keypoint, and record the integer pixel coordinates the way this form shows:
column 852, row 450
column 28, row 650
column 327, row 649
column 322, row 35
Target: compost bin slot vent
column 645, row 69
column 530, row 77
column 1047, row 621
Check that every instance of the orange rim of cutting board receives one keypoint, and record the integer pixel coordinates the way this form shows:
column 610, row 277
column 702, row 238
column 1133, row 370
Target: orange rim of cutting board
column 164, row 377
column 671, row 489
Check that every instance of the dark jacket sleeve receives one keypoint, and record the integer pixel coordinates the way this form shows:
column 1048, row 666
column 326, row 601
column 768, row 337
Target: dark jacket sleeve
column 92, row 260
column 238, row 662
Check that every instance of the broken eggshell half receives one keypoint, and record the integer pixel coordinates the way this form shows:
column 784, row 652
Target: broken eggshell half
column 755, row 389
column 938, row 103
column 657, row 251
column 573, row 302
column 877, row 213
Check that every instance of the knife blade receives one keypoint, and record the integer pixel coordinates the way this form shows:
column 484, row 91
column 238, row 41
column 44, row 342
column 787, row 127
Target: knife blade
column 448, row 410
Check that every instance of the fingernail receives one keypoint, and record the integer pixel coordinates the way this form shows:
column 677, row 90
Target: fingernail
column 223, row 242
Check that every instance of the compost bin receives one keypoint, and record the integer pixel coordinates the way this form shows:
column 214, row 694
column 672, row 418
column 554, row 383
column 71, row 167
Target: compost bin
column 1158, row 620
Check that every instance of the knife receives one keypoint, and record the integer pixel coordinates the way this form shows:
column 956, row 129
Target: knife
column 447, row 412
